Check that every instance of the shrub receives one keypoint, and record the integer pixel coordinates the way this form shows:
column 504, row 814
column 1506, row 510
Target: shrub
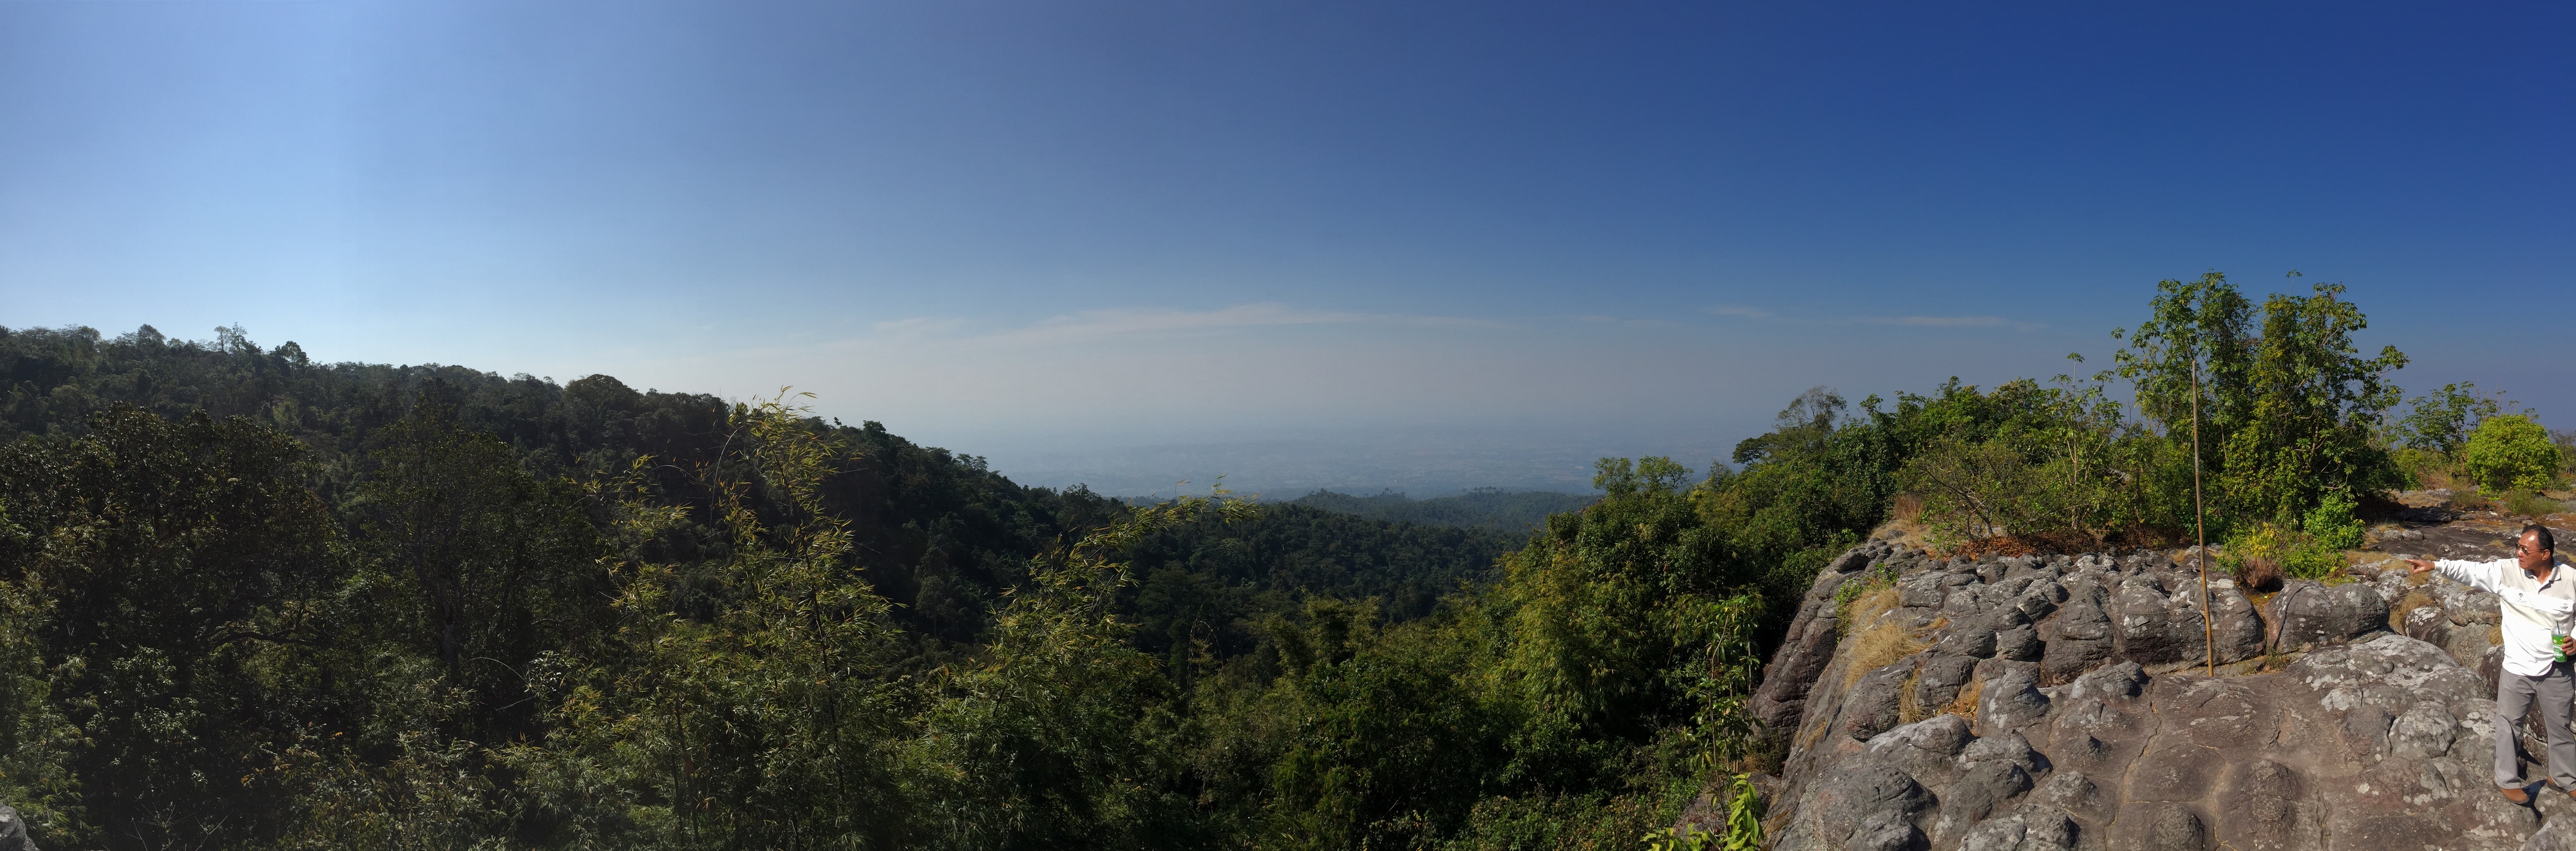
column 2530, row 504
column 2510, row 453
column 2332, row 522
column 2298, row 555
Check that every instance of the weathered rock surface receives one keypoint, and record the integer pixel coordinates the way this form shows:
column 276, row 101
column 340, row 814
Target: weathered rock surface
column 13, row 831
column 2066, row 702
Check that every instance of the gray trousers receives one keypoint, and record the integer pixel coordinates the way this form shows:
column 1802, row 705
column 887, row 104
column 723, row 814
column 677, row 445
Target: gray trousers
column 2556, row 692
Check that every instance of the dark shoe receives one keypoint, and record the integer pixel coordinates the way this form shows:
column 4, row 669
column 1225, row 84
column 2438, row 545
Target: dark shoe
column 2519, row 797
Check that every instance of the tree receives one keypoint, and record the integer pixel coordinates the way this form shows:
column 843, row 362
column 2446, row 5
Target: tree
column 2442, row 420
column 2290, row 412
column 2511, row 453
column 489, row 564
column 767, row 722
column 163, row 565
column 2317, row 407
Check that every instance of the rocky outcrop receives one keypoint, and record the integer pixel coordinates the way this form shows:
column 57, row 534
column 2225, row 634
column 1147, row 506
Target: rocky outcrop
column 2079, row 702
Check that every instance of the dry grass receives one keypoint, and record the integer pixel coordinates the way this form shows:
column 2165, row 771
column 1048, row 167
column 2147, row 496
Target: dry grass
column 1965, row 705
column 2258, row 574
column 1868, row 605
column 1905, row 522
column 2063, row 542
column 1878, row 646
column 1908, row 708
column 2406, row 606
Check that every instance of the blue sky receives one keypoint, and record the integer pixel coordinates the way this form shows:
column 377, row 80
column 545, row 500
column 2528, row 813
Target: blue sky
column 1411, row 237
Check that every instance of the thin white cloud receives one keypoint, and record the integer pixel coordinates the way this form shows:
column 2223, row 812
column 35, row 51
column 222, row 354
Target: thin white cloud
column 1951, row 322
column 1595, row 319
column 917, row 327
column 1740, row 310
column 1127, row 322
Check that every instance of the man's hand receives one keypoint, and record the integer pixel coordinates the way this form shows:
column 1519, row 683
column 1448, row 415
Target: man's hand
column 2417, row 565
column 2567, row 645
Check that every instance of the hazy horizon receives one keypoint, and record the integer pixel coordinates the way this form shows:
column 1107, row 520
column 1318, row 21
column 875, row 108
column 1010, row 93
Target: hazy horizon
column 1348, row 245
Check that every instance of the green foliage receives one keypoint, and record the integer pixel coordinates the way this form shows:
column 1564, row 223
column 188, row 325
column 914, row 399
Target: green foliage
column 1212, row 579
column 167, row 570
column 2035, row 461
column 2288, row 409
column 1680, row 838
column 2532, row 504
column 2300, row 555
column 1744, row 817
column 747, row 714
column 2510, row 453
column 2440, row 422
column 250, row 598
column 2333, row 524
column 1518, row 512
column 1617, row 636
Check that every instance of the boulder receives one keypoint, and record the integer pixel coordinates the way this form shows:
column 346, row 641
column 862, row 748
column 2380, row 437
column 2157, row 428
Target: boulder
column 2307, row 614
column 13, row 831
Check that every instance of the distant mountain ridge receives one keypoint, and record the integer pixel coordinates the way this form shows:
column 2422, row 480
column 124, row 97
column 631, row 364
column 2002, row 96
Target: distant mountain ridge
column 1490, row 508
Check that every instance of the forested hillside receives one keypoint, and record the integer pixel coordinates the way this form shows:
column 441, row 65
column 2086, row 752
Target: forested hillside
column 248, row 600
column 1491, row 508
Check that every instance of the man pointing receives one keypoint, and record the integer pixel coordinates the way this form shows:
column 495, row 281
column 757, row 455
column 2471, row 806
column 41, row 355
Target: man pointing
column 2538, row 599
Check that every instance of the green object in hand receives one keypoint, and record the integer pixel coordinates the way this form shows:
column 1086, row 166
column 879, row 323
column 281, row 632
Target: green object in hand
column 2558, row 645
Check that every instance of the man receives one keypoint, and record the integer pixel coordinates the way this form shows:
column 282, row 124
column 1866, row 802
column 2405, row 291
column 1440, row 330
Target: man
column 2538, row 600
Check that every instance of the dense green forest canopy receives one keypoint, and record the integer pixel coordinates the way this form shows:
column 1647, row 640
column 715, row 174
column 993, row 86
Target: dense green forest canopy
column 248, row 600
column 1517, row 512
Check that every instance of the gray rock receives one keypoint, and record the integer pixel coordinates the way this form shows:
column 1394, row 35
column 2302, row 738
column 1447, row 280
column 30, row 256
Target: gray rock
column 2020, row 643
column 2040, row 599
column 2011, row 701
column 1803, row 655
column 2144, row 628
column 2006, row 747
column 2071, row 792
column 1886, row 831
column 1967, row 641
column 2558, row 834
column 1937, row 681
column 1978, row 792
column 2030, row 829
column 2113, row 682
column 2365, row 739
column 2307, row 615
column 2264, row 810
column 1873, row 706
column 13, row 831
column 2424, row 732
column 2166, row 827
column 1853, row 792
column 2238, row 627
column 1927, row 750
column 2365, row 731
column 2079, row 638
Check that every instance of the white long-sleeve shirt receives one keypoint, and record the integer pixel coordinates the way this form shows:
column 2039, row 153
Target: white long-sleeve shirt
column 2532, row 608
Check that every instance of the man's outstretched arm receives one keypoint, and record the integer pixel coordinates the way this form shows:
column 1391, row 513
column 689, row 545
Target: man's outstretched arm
column 2483, row 576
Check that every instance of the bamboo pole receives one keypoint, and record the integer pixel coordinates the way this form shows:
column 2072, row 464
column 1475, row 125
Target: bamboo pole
column 2200, row 524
